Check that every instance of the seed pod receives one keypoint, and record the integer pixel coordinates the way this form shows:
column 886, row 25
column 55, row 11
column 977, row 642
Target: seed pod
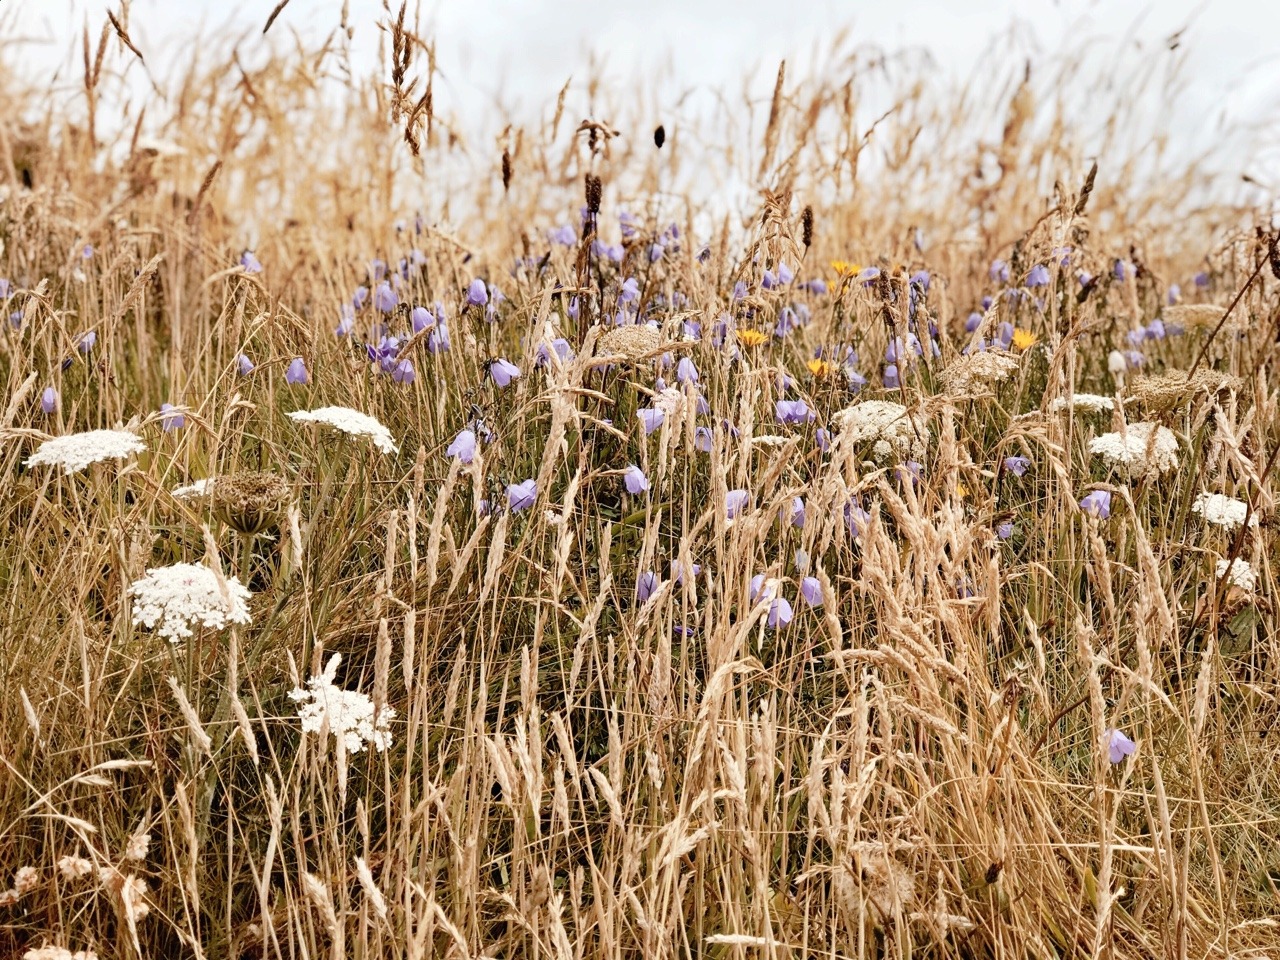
column 659, row 136
column 806, row 226
column 594, row 191
column 506, row 170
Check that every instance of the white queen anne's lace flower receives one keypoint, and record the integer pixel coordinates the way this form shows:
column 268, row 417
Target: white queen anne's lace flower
column 887, row 424
column 1242, row 575
column 349, row 714
column 1145, row 448
column 352, row 422
column 51, row 952
column 1089, row 402
column 76, row 451
column 172, row 599
column 193, row 491
column 1223, row 511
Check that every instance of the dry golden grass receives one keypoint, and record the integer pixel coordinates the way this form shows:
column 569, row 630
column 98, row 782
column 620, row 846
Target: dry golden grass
column 919, row 767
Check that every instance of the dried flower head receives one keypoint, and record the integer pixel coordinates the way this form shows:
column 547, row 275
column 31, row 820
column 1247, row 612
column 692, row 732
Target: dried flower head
column 172, row 599
column 1194, row 316
column 250, row 502
column 51, row 952
column 885, row 424
column 633, row 342
column 975, row 370
column 1143, row 448
column 1086, row 402
column 74, row 868
column 1169, row 391
column 347, row 714
column 76, row 451
column 351, row 422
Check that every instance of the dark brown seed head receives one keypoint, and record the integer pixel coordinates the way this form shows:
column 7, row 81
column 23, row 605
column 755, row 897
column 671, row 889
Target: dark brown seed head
column 659, row 136
column 250, row 502
column 806, row 226
column 594, row 191
column 506, row 170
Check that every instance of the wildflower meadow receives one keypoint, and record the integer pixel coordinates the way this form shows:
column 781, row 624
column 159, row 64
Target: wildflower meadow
column 415, row 546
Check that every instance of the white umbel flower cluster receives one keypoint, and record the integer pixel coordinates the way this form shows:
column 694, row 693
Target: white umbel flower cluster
column 171, row 599
column 50, row 952
column 348, row 714
column 76, row 451
column 888, row 424
column 1242, row 575
column 1088, row 402
column 1223, row 511
column 1144, row 448
column 351, row 422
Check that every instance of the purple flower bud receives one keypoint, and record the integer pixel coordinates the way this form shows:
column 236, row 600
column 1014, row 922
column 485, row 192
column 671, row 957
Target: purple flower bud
column 360, row 297
column 384, row 298
column 1004, row 334
column 686, row 372
column 49, row 400
column 463, row 446
column 971, row 324
column 823, row 438
column 170, row 420
column 1097, row 504
column 477, row 293
column 785, row 274
column 678, row 571
column 521, row 496
column 1118, row 745
column 634, row 479
column 867, row 275
column 797, row 512
column 1175, row 294
column 346, row 321
column 753, row 591
column 244, row 365
column 1038, row 276
column 891, row 381
column 630, row 290
column 651, row 418
column 811, row 590
column 780, row 613
column 420, row 318
column 702, row 439
column 817, row 286
column 656, row 250
column 1201, row 279
column 482, row 508
column 438, row 337
column 1156, row 330
column 6, row 288
column 503, row 371
column 769, row 281
column 250, row 263
column 1004, row 530
column 297, row 372
column 1124, row 270
column 792, row 411
column 646, row 584
column 735, row 501
column 739, row 290
column 87, row 341
column 856, row 519
column 1017, row 465
column 403, row 372
column 564, row 235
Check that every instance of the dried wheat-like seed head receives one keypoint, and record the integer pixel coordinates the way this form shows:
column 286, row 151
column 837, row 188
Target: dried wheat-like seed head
column 1175, row 389
column 250, row 502
column 631, row 343
column 1195, row 316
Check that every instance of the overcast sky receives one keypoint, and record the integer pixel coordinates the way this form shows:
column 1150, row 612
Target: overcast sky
column 520, row 52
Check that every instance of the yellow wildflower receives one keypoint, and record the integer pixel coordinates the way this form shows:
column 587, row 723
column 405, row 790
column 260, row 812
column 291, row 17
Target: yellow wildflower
column 1024, row 339
column 819, row 368
column 844, row 268
column 752, row 338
